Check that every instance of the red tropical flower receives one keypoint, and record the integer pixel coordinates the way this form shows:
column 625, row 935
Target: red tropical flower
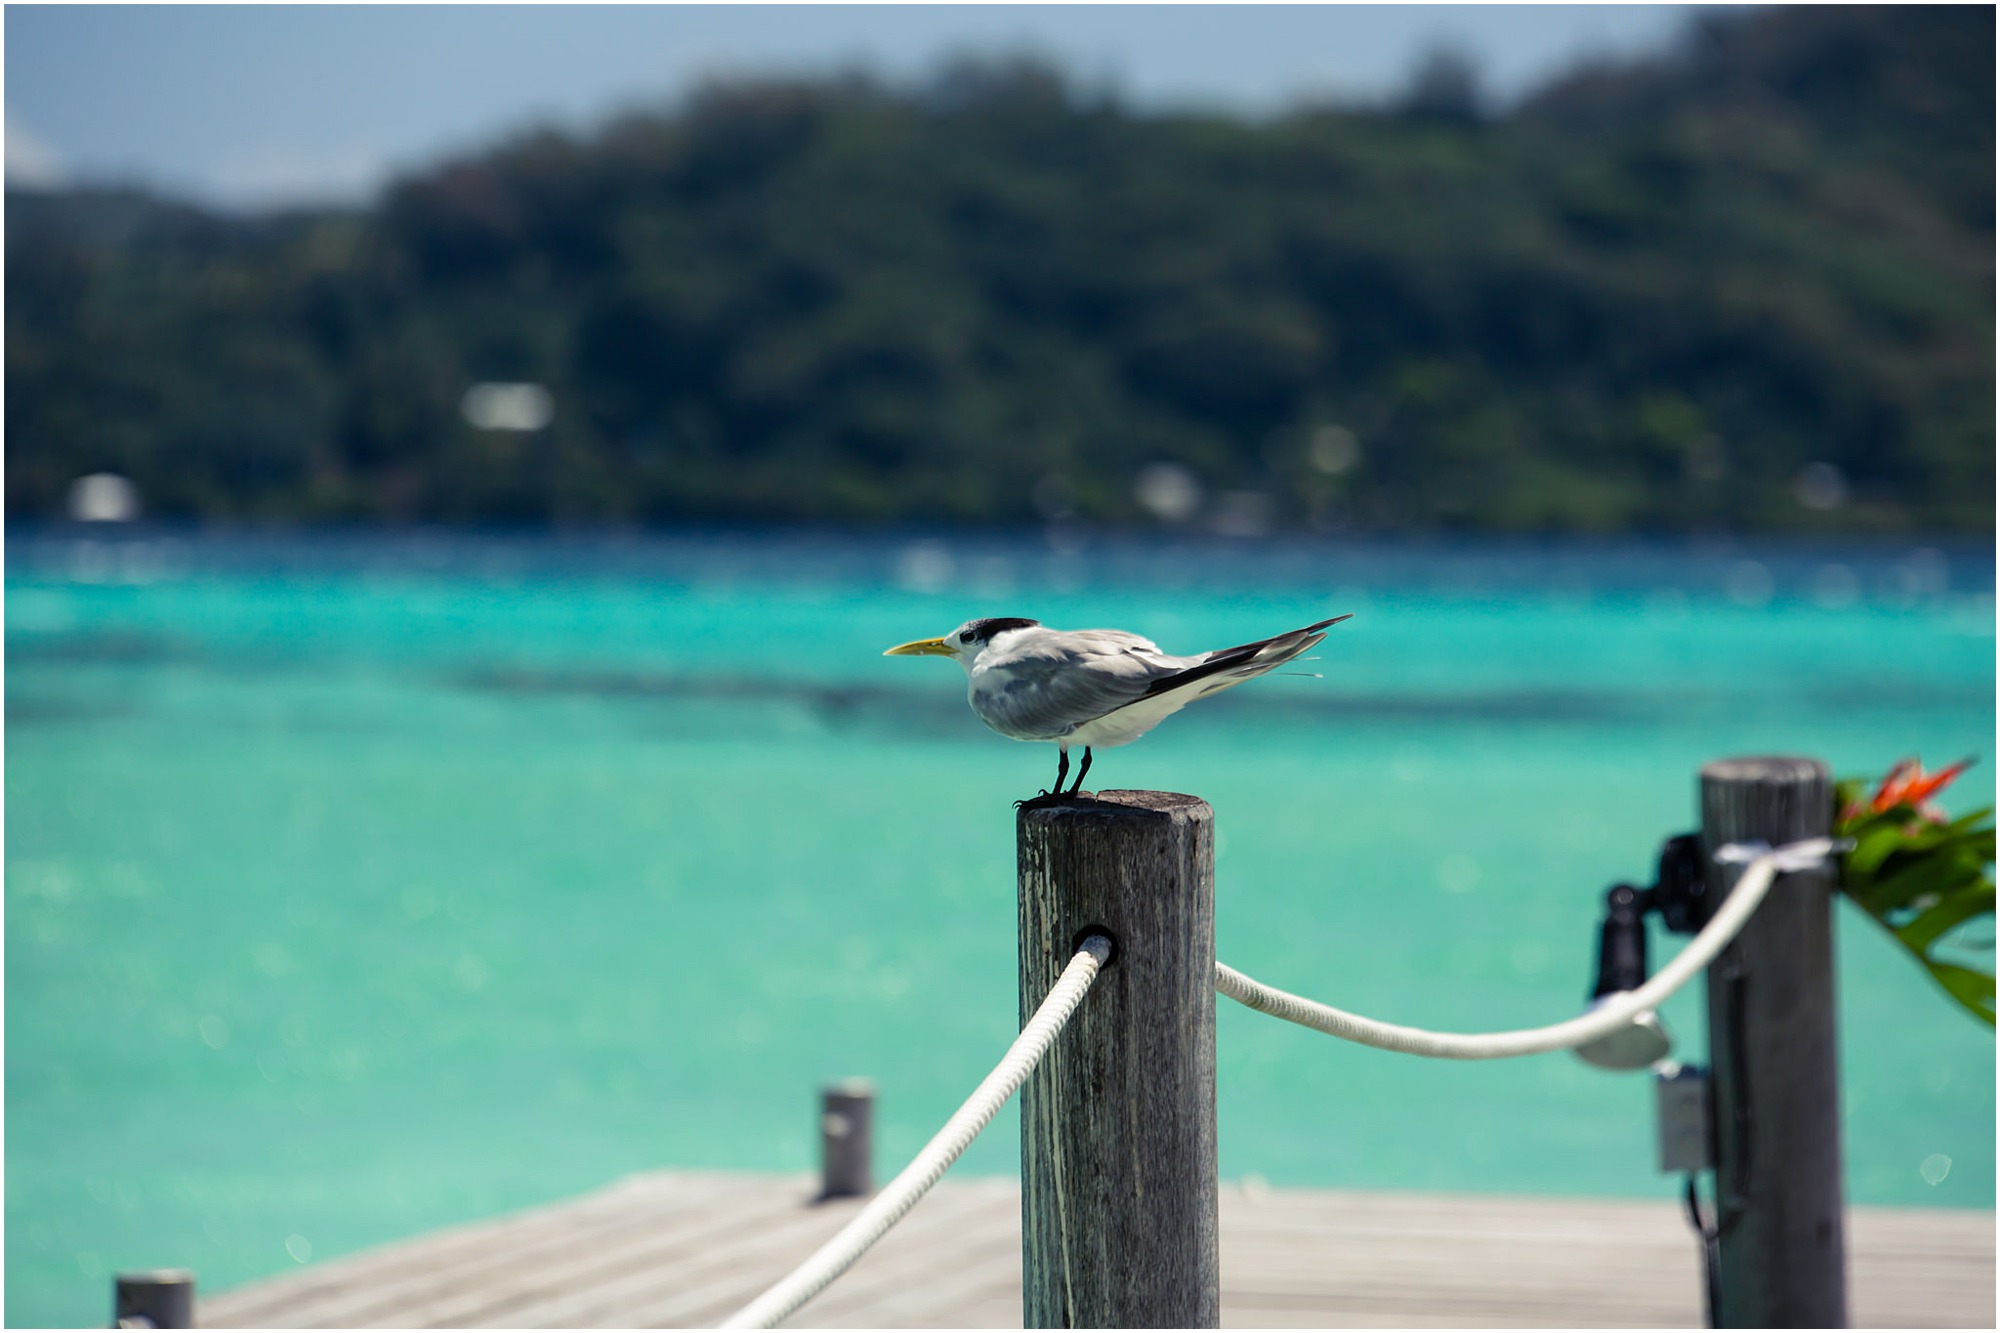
column 1906, row 784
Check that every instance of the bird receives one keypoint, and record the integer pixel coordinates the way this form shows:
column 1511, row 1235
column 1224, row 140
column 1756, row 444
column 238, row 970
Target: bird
column 1091, row 687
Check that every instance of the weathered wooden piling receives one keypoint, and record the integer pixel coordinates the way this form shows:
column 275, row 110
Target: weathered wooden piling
column 1118, row 1155
column 155, row 1298
column 847, row 1140
column 1781, row 1251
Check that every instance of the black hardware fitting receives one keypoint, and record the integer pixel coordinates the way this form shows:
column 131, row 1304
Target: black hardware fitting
column 1680, row 893
column 1680, row 897
column 1621, row 942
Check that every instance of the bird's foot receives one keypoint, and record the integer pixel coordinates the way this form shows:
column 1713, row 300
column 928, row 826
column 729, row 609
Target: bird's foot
column 1068, row 796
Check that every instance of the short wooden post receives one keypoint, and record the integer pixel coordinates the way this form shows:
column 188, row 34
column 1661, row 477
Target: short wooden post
column 1118, row 1164
column 157, row 1298
column 1776, row 1085
column 846, row 1140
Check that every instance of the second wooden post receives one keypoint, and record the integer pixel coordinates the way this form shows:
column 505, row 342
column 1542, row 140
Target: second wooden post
column 1118, row 1158
column 1781, row 1249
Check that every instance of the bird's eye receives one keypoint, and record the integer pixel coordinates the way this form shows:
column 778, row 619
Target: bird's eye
column 965, row 637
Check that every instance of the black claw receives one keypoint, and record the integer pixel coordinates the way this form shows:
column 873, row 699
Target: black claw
column 1062, row 772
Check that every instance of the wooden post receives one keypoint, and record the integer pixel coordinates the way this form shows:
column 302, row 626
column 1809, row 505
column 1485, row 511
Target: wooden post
column 1118, row 1165
column 846, row 1140
column 159, row 1298
column 1781, row 1252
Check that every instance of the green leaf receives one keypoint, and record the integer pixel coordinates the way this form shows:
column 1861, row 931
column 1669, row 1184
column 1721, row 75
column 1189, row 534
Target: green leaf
column 1961, row 906
column 1911, row 878
column 1972, row 989
column 1920, row 881
column 1872, row 846
column 1978, row 842
column 1967, row 822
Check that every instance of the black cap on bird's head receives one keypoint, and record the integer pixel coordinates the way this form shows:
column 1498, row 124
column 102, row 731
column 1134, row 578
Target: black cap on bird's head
column 967, row 638
column 982, row 631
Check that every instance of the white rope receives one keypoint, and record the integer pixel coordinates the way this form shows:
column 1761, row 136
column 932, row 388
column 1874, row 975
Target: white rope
column 900, row 1195
column 1612, row 1014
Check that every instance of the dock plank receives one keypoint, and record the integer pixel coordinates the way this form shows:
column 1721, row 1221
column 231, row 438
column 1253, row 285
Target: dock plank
column 702, row 1292
column 673, row 1249
column 383, row 1283
column 696, row 1251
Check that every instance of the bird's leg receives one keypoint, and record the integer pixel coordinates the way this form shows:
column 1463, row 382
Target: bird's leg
column 1062, row 771
column 1079, row 772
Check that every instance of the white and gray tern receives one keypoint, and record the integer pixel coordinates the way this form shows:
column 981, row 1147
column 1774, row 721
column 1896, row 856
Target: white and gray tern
column 1092, row 687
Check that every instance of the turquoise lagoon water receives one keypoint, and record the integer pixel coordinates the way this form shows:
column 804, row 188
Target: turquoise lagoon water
column 356, row 886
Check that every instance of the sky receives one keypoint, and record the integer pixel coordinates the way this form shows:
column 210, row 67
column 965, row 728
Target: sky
column 250, row 106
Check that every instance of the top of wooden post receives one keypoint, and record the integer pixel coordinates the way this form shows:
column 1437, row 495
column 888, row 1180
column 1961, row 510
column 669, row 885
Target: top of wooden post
column 1776, row 798
column 1114, row 803
column 1765, row 768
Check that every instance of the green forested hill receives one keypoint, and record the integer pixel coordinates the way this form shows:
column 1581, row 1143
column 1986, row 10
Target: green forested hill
column 1682, row 294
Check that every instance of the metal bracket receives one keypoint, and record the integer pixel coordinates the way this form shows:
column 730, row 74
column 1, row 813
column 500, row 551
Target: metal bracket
column 1686, row 1143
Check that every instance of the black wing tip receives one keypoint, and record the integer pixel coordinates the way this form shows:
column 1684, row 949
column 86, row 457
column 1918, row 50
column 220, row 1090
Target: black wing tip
column 1242, row 652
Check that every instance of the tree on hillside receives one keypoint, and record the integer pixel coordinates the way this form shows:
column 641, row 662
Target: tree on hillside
column 1680, row 293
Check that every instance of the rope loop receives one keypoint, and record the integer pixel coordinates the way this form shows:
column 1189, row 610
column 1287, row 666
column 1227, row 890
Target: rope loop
column 1762, row 865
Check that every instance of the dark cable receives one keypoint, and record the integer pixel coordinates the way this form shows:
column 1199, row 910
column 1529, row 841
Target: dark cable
column 1730, row 1201
column 1710, row 1252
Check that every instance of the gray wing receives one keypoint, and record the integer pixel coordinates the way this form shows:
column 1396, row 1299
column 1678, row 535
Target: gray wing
column 1051, row 682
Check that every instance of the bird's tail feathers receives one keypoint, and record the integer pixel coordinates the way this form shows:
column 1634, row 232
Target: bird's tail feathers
column 1279, row 643
column 1232, row 666
column 1283, row 648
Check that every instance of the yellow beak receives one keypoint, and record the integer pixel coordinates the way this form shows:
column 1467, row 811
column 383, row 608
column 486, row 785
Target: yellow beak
column 921, row 648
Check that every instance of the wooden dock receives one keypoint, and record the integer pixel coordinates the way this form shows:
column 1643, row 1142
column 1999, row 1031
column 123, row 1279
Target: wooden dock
column 679, row 1249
